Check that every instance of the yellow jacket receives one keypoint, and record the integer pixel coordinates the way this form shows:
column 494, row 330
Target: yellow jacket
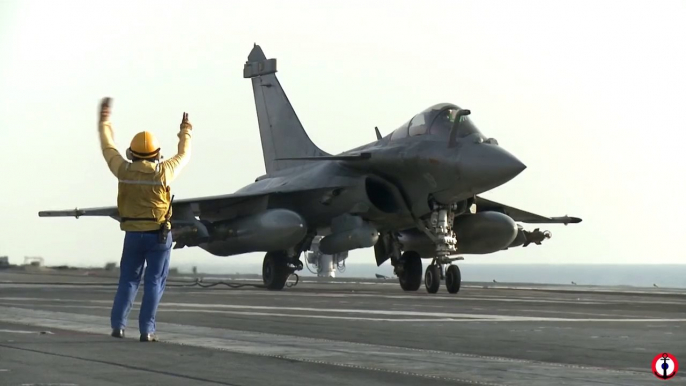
column 144, row 192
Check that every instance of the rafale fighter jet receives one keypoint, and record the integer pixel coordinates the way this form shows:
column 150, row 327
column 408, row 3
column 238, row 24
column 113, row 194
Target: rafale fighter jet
column 411, row 195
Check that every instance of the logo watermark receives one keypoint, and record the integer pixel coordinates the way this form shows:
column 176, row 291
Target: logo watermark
column 665, row 366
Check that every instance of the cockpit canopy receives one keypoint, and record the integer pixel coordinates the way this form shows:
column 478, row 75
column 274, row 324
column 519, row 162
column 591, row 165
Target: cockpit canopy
column 436, row 120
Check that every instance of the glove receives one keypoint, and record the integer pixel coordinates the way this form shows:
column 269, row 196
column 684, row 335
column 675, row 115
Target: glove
column 105, row 109
column 185, row 124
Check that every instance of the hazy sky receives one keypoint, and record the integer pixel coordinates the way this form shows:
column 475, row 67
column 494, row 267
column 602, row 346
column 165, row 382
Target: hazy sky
column 589, row 95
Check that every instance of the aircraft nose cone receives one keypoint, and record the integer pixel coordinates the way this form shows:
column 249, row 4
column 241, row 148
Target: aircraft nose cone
column 485, row 166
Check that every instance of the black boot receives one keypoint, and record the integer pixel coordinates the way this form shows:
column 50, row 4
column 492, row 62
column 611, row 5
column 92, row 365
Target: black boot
column 118, row 332
column 149, row 338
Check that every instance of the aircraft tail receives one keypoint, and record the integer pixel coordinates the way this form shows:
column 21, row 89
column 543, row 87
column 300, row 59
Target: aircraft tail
column 281, row 132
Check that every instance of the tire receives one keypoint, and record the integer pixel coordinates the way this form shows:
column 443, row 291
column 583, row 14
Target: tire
column 432, row 278
column 274, row 271
column 411, row 278
column 453, row 279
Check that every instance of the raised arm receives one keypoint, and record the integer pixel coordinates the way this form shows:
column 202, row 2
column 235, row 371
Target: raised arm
column 173, row 166
column 109, row 150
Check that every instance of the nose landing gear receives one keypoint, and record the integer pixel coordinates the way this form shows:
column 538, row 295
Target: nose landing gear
column 440, row 230
column 408, row 266
column 443, row 269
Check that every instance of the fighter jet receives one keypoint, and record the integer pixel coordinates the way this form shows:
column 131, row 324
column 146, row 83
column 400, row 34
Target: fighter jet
column 411, row 195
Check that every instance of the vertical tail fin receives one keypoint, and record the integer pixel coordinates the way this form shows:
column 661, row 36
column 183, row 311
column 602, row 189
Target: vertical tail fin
column 281, row 132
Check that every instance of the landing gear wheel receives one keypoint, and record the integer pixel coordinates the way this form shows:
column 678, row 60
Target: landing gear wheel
column 432, row 278
column 411, row 277
column 275, row 270
column 453, row 279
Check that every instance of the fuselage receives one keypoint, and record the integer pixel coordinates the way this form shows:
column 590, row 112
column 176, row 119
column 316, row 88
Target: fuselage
column 406, row 169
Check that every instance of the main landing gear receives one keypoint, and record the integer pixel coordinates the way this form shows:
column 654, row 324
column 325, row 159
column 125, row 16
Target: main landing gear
column 410, row 271
column 277, row 267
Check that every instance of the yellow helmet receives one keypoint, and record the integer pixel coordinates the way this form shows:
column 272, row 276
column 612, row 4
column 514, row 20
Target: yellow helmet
column 144, row 145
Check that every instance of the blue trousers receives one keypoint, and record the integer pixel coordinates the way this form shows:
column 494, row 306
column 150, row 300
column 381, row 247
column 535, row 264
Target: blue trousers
column 140, row 248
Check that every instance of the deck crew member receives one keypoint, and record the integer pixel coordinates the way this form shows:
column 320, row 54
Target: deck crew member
column 144, row 204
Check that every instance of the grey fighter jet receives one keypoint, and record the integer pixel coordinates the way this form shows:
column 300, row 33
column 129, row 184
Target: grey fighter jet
column 412, row 195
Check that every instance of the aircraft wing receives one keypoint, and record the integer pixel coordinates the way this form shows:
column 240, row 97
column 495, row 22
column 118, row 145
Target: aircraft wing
column 207, row 203
column 483, row 204
column 227, row 203
column 103, row 211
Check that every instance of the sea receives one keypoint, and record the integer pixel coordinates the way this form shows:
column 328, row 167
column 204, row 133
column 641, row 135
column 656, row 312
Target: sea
column 633, row 275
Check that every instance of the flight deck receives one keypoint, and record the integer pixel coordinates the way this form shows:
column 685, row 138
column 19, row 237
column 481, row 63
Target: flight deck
column 54, row 329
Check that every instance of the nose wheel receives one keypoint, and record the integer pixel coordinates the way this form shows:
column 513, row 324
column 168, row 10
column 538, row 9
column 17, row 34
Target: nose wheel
column 453, row 279
column 432, row 278
column 434, row 274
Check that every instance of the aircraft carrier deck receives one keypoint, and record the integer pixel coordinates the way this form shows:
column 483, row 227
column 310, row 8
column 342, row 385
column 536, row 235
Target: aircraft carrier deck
column 338, row 332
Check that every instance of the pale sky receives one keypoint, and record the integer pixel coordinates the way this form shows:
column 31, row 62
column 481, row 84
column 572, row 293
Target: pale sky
column 590, row 95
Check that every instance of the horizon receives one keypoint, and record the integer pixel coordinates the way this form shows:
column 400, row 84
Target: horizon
column 631, row 275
